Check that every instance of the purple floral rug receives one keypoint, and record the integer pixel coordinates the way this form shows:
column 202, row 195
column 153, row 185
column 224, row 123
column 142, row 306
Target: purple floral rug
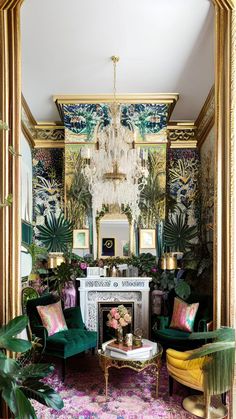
column 131, row 394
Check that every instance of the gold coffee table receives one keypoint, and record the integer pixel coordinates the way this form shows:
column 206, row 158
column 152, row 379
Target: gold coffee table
column 107, row 361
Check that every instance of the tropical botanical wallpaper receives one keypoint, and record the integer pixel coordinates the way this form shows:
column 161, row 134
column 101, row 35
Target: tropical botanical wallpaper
column 48, row 183
column 183, row 184
column 207, row 186
column 148, row 120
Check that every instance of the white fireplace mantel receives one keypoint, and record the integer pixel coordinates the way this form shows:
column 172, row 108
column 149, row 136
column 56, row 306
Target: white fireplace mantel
column 115, row 289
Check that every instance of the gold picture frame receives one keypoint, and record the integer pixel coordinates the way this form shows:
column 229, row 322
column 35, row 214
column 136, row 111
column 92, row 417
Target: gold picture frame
column 147, row 238
column 81, row 239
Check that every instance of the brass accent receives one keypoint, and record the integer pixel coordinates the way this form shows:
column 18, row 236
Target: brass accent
column 115, row 58
column 197, row 406
column 115, row 175
column 106, row 362
column 49, row 143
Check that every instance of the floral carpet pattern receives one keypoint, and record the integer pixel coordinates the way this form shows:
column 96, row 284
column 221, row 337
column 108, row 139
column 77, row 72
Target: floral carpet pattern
column 131, row 394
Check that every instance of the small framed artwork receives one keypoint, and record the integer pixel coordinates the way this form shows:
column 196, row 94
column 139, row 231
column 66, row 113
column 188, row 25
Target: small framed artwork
column 81, row 239
column 147, row 238
column 108, row 246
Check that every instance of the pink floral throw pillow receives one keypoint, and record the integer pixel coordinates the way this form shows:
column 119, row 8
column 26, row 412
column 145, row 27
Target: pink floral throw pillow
column 52, row 318
column 183, row 315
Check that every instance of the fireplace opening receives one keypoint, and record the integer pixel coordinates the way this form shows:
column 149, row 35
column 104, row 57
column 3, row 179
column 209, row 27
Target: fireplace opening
column 105, row 332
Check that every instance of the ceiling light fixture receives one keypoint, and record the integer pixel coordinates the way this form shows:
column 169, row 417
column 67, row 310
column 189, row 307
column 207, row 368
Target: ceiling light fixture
column 116, row 170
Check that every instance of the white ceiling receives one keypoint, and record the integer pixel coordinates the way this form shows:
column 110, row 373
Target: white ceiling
column 164, row 47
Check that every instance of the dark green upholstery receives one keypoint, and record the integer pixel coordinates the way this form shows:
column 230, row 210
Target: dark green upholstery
column 70, row 342
column 66, row 343
column 178, row 339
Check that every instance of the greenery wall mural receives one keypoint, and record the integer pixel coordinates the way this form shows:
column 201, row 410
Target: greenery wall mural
column 153, row 196
column 183, row 185
column 48, row 185
column 78, row 198
column 148, row 120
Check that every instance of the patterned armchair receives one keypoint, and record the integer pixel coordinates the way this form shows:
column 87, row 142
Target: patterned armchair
column 65, row 343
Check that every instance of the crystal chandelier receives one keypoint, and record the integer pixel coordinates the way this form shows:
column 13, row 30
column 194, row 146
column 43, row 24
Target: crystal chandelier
column 116, row 171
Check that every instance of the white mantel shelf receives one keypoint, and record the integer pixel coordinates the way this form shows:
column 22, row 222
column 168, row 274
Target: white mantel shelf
column 114, row 283
column 94, row 290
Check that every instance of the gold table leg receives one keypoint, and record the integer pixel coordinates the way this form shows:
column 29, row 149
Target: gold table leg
column 106, row 374
column 157, row 381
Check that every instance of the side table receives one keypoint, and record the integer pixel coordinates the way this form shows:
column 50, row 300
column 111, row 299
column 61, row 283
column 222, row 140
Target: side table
column 107, row 361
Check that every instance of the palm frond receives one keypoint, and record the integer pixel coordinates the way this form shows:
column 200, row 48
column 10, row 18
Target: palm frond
column 56, row 234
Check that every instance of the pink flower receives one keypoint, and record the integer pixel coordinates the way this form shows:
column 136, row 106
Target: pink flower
column 83, row 265
column 114, row 324
column 117, row 316
column 113, row 311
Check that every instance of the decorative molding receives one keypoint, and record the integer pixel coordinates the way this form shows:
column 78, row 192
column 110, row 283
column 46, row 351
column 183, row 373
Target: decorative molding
column 206, row 117
column 40, row 135
column 182, row 135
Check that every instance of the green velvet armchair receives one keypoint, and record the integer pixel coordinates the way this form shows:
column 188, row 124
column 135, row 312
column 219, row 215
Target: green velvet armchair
column 179, row 339
column 65, row 343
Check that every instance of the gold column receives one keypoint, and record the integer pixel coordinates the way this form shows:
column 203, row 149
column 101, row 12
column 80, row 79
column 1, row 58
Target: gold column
column 225, row 167
column 10, row 113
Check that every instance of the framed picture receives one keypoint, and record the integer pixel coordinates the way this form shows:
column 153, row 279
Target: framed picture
column 108, row 246
column 81, row 239
column 147, row 238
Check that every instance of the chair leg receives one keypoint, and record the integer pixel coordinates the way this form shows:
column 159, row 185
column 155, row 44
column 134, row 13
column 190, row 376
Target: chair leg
column 93, row 351
column 63, row 369
column 223, row 398
column 207, row 404
column 171, row 382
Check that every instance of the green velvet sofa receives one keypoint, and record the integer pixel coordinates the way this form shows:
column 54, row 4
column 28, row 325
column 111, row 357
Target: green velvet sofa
column 66, row 343
column 178, row 339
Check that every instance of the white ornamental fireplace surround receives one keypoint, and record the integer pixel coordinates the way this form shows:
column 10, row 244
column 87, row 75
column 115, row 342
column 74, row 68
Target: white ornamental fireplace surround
column 115, row 289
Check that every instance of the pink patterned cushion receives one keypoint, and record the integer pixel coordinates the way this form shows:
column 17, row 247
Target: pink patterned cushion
column 183, row 315
column 52, row 318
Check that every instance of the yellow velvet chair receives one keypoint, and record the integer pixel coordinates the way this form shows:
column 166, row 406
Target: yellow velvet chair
column 209, row 369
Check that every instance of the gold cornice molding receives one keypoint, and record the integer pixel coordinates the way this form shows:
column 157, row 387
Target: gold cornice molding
column 182, row 134
column 206, row 117
column 168, row 98
column 40, row 134
column 39, row 143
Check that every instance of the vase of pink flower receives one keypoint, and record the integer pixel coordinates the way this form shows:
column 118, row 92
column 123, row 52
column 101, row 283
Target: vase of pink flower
column 118, row 318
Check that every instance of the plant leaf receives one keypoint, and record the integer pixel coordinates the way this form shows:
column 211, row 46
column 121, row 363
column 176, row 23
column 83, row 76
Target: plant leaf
column 15, row 344
column 14, row 327
column 36, row 371
column 43, row 394
column 24, row 408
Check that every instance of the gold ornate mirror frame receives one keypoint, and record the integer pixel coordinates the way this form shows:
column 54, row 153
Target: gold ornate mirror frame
column 225, row 166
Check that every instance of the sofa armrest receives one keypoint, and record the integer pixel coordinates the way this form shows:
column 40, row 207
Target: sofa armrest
column 73, row 318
